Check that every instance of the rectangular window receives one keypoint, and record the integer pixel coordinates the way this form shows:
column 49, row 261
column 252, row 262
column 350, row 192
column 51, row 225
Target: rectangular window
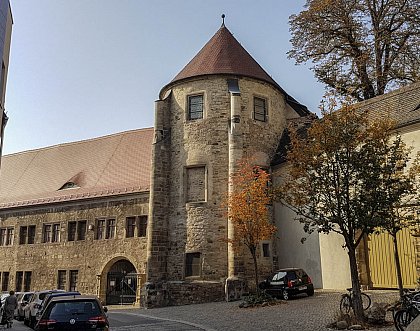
column 31, row 234
column 5, row 282
column 46, row 233
column 74, row 275
column 260, row 110
column 3, row 234
column 6, row 236
column 100, row 229
column 9, row 237
column 71, row 231
column 265, row 250
column 196, row 184
column 81, row 230
column 27, row 281
column 110, row 228
column 23, row 235
column 195, row 107
column 142, row 230
column 61, row 279
column 19, row 281
column 55, row 233
column 130, row 226
column 192, row 264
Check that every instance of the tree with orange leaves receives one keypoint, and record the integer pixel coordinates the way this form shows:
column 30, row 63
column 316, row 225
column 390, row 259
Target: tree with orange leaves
column 248, row 208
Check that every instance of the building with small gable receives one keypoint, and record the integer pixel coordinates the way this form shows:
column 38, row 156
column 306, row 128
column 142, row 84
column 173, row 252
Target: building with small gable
column 139, row 215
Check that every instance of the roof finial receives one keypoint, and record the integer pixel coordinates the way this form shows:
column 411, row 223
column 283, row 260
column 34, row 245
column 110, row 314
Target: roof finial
column 223, row 20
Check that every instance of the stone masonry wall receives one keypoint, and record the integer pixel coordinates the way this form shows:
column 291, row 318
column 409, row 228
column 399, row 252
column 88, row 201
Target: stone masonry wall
column 90, row 257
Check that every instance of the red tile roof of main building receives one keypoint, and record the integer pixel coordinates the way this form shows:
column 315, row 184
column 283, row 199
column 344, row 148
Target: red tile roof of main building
column 105, row 166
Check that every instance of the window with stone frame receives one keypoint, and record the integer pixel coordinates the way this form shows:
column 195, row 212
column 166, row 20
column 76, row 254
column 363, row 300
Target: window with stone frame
column 81, row 230
column 196, row 184
column 195, row 107
column 61, row 279
column 260, row 109
column 73, row 279
column 100, row 229
column 142, row 226
column 265, row 250
column 130, row 226
column 19, row 281
column 51, row 233
column 110, row 228
column 192, row 264
column 23, row 235
column 27, row 279
column 31, row 234
column 71, row 231
column 5, row 281
column 6, row 236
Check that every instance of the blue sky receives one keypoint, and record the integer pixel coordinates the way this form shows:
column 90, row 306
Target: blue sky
column 86, row 68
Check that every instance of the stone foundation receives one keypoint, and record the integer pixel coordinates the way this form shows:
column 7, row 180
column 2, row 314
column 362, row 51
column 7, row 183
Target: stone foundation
column 177, row 293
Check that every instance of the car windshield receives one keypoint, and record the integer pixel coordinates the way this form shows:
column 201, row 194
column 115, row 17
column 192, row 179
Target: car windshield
column 62, row 309
column 279, row 276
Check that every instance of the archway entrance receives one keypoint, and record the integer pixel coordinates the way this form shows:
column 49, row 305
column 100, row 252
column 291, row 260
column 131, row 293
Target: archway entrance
column 121, row 283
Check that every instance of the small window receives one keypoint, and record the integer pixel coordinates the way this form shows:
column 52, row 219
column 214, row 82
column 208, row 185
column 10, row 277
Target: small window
column 74, row 275
column 81, row 230
column 23, row 235
column 130, row 226
column 192, row 264
column 71, row 231
column 51, row 233
column 61, row 279
column 266, row 250
column 142, row 231
column 6, row 236
column 260, row 110
column 5, row 282
column 27, row 281
column 195, row 107
column 31, row 234
column 19, row 281
column 100, row 229
column 110, row 228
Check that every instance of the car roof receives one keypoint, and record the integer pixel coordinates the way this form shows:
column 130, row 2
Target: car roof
column 62, row 294
column 74, row 298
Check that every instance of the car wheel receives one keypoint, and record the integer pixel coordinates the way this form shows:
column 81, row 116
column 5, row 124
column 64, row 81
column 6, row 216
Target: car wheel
column 285, row 295
column 310, row 292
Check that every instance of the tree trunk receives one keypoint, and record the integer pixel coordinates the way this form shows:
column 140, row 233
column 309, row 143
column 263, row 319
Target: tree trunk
column 357, row 299
column 397, row 264
column 254, row 257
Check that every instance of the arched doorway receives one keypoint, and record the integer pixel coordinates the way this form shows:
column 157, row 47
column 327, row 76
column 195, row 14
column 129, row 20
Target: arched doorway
column 121, row 285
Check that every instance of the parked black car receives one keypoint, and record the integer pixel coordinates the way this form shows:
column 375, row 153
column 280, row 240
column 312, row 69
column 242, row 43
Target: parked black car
column 78, row 312
column 287, row 282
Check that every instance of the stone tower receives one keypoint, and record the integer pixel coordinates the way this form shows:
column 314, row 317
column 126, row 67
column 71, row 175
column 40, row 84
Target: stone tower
column 220, row 107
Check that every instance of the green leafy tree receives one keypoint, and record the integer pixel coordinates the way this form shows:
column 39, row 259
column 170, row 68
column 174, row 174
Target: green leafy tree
column 248, row 209
column 337, row 175
column 359, row 48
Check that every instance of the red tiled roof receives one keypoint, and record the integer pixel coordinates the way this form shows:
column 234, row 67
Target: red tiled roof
column 105, row 166
column 223, row 54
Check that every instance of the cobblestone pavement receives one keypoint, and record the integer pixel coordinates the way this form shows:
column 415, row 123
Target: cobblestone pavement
column 300, row 314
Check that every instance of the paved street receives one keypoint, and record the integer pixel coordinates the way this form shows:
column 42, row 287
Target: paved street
column 300, row 314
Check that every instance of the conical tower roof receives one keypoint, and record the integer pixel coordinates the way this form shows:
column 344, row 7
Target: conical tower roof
column 223, row 54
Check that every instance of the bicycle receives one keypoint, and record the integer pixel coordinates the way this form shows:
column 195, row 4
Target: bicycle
column 408, row 309
column 346, row 302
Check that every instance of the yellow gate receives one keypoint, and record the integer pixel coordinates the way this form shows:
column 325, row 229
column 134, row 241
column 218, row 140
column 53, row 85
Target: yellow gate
column 382, row 264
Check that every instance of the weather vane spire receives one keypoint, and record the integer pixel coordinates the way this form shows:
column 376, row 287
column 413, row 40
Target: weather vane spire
column 223, row 19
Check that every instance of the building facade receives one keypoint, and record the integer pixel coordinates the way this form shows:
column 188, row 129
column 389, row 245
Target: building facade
column 140, row 215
